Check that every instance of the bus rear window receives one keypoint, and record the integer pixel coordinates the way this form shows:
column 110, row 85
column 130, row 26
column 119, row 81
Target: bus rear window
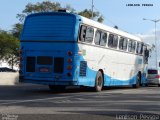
column 152, row 72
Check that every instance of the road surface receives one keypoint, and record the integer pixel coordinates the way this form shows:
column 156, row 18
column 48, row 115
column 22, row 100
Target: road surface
column 32, row 102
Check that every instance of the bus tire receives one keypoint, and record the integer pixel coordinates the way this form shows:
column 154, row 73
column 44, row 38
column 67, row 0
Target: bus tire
column 146, row 84
column 98, row 82
column 158, row 85
column 138, row 82
column 56, row 87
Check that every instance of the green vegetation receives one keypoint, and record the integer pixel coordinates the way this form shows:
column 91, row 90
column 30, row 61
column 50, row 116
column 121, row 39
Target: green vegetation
column 8, row 48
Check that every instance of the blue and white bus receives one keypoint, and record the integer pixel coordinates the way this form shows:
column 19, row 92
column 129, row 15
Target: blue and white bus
column 61, row 49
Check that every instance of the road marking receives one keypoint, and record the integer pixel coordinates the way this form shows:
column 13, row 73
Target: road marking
column 33, row 100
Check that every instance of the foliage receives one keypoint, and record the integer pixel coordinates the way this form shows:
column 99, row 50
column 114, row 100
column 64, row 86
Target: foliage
column 8, row 48
column 45, row 6
column 88, row 13
column 48, row 6
column 16, row 30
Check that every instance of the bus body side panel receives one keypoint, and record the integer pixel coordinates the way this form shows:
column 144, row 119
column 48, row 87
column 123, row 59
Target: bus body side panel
column 119, row 68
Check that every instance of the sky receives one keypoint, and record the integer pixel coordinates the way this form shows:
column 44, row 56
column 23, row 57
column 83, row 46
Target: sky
column 115, row 12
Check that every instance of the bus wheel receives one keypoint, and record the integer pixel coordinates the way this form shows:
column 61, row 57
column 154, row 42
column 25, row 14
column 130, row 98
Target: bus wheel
column 56, row 87
column 99, row 82
column 138, row 82
column 158, row 85
column 146, row 84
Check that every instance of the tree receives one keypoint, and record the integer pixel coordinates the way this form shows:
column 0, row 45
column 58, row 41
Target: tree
column 16, row 30
column 45, row 6
column 48, row 6
column 8, row 48
column 88, row 13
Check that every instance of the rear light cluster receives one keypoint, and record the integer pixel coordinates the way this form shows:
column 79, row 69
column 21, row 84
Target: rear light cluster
column 69, row 64
column 157, row 76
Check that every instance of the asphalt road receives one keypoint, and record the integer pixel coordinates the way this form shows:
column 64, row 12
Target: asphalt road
column 36, row 102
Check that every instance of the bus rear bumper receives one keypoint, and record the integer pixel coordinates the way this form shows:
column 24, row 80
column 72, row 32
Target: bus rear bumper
column 49, row 82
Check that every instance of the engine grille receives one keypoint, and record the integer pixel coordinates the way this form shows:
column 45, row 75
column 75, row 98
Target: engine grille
column 83, row 68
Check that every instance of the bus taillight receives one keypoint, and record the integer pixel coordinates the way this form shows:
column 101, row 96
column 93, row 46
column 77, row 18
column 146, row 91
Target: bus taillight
column 69, row 60
column 157, row 76
column 69, row 74
column 69, row 67
column 69, row 53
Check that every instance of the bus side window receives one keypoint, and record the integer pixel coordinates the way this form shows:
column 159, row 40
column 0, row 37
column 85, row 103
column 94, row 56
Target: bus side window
column 131, row 46
column 86, row 34
column 103, row 40
column 83, row 33
column 97, row 37
column 89, row 34
column 113, row 41
column 146, row 54
column 139, row 48
column 100, row 38
column 123, row 44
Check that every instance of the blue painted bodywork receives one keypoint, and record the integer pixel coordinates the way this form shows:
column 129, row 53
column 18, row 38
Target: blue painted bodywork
column 54, row 34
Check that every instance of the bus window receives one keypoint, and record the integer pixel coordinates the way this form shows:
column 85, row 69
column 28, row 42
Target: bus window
column 100, row 38
column 113, row 41
column 83, row 33
column 139, row 48
column 103, row 39
column 86, row 34
column 131, row 46
column 146, row 54
column 123, row 43
column 97, row 37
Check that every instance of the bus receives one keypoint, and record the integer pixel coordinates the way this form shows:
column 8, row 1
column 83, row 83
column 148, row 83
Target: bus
column 61, row 49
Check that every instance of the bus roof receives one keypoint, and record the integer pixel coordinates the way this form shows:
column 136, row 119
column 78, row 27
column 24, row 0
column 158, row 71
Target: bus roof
column 93, row 23
column 109, row 29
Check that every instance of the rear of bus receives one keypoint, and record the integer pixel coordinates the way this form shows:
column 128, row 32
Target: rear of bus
column 49, row 50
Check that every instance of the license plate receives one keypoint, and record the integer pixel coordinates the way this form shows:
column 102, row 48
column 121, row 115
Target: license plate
column 44, row 70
